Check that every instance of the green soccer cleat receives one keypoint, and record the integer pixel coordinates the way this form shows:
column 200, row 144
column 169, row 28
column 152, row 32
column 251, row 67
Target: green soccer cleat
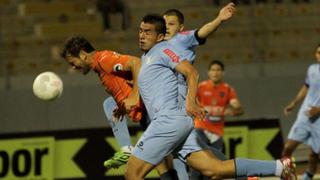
column 289, row 169
column 118, row 159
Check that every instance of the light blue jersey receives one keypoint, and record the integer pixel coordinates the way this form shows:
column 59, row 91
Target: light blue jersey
column 157, row 81
column 313, row 82
column 158, row 86
column 304, row 129
column 185, row 41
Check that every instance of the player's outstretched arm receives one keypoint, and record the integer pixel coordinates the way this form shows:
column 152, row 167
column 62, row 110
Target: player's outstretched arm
column 225, row 13
column 235, row 108
column 192, row 76
column 133, row 65
column 300, row 96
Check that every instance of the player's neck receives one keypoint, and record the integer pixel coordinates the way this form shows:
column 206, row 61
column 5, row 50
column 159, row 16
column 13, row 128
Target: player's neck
column 216, row 83
column 91, row 56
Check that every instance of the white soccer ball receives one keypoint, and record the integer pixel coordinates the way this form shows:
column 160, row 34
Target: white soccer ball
column 47, row 86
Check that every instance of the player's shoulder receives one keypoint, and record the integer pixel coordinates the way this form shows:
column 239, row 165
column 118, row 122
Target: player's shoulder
column 186, row 33
column 313, row 67
column 204, row 83
column 227, row 85
column 167, row 50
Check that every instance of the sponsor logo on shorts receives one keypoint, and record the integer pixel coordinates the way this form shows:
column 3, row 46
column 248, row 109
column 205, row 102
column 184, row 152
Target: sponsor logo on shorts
column 140, row 145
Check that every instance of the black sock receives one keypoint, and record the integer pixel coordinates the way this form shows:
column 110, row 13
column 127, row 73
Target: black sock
column 169, row 175
column 309, row 174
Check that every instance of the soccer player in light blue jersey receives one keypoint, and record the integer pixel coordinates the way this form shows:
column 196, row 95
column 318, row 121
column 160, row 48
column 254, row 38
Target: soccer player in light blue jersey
column 183, row 40
column 171, row 127
column 306, row 128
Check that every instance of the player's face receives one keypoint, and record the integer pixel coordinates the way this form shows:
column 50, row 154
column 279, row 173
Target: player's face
column 79, row 64
column 215, row 73
column 317, row 54
column 148, row 36
column 173, row 26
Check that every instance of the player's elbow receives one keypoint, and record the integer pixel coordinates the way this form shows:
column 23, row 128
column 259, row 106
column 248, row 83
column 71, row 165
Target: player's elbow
column 239, row 111
column 192, row 72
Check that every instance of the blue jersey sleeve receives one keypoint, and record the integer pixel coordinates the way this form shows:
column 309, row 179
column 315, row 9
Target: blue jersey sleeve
column 307, row 80
column 189, row 38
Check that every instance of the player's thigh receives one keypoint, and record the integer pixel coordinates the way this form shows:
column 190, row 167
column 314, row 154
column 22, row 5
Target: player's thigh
column 205, row 162
column 162, row 136
column 137, row 167
column 165, row 165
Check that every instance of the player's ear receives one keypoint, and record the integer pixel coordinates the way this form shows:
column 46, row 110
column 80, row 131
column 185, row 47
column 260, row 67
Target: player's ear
column 83, row 55
column 160, row 37
column 181, row 27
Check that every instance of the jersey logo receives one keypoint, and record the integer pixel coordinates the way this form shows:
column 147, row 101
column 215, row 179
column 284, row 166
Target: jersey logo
column 221, row 94
column 117, row 67
column 172, row 55
column 149, row 60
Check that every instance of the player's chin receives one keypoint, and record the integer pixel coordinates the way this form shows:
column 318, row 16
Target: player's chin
column 142, row 48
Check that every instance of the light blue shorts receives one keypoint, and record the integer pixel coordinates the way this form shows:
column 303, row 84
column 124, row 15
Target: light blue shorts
column 192, row 144
column 303, row 130
column 165, row 134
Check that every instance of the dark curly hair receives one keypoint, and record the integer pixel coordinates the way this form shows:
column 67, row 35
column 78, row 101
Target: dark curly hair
column 74, row 45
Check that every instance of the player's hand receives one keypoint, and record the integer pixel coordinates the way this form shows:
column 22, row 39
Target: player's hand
column 118, row 114
column 130, row 102
column 313, row 112
column 289, row 108
column 227, row 12
column 195, row 111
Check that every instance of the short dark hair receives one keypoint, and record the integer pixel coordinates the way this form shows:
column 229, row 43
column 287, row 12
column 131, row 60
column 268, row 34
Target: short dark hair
column 74, row 45
column 158, row 21
column 216, row 62
column 177, row 13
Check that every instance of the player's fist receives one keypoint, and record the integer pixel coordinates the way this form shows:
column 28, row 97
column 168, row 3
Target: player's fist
column 227, row 11
column 289, row 108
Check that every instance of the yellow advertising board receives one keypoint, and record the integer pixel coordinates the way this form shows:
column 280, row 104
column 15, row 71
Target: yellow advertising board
column 79, row 154
column 27, row 159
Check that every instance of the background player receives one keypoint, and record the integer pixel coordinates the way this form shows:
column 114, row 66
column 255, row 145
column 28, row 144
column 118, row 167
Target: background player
column 219, row 99
column 306, row 128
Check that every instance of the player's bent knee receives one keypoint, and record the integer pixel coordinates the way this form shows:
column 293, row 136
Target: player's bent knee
column 137, row 168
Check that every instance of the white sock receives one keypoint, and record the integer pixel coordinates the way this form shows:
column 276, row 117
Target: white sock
column 127, row 149
column 279, row 168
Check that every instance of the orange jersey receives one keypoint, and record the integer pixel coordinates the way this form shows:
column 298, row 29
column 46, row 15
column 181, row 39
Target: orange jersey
column 215, row 99
column 109, row 66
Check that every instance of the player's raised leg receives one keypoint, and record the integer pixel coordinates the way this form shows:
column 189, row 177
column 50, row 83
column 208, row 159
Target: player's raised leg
column 121, row 133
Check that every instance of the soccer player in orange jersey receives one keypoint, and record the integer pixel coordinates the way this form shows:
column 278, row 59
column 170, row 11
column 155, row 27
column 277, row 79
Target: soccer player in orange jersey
column 117, row 73
column 220, row 100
